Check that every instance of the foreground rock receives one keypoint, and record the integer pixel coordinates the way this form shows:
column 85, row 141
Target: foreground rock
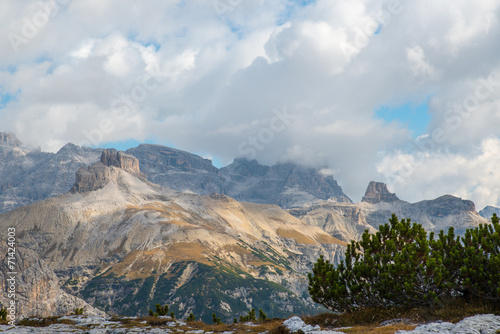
column 295, row 324
column 478, row 324
column 95, row 325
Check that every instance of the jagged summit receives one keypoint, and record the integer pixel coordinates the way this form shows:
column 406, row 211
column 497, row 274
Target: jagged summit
column 377, row 192
column 488, row 211
column 247, row 168
column 100, row 174
column 120, row 159
column 9, row 139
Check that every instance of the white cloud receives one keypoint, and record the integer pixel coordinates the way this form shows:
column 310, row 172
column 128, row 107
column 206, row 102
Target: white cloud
column 418, row 64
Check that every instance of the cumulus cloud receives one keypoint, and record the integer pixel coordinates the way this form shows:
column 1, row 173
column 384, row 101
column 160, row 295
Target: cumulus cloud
column 275, row 80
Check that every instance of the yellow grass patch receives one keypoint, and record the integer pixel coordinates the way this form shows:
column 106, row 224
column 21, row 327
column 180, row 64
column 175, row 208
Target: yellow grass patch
column 292, row 234
column 328, row 239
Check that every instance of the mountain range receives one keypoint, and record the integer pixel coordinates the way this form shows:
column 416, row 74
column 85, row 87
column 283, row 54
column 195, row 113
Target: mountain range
column 28, row 175
column 117, row 232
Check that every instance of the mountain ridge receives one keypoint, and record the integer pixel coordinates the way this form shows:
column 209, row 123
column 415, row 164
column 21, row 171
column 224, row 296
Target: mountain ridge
column 173, row 168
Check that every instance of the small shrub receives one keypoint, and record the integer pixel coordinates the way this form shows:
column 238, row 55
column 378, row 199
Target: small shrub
column 160, row 311
column 155, row 321
column 44, row 322
column 216, row 320
column 3, row 314
column 78, row 311
column 191, row 317
column 262, row 315
column 249, row 317
column 281, row 329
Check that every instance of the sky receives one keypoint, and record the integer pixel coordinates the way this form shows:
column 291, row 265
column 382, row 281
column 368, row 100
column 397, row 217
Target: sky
column 402, row 92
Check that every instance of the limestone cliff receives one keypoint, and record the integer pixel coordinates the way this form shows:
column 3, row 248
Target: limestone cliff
column 434, row 215
column 344, row 221
column 28, row 175
column 488, row 211
column 9, row 140
column 38, row 290
column 99, row 174
column 377, row 192
column 112, row 157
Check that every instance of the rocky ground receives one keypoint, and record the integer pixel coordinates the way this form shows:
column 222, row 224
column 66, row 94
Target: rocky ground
column 479, row 324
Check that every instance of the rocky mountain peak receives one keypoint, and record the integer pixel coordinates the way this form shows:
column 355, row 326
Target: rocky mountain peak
column 99, row 174
column 447, row 204
column 120, row 159
column 245, row 167
column 69, row 147
column 9, row 139
column 488, row 211
column 377, row 192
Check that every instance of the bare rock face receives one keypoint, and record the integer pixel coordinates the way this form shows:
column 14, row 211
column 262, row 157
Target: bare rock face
column 112, row 157
column 378, row 192
column 37, row 288
column 91, row 178
column 99, row 174
column 434, row 215
column 445, row 206
column 345, row 221
column 9, row 139
column 286, row 184
column 488, row 211
column 28, row 175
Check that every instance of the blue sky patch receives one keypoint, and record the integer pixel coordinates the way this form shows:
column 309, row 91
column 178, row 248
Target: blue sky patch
column 6, row 98
column 11, row 69
column 124, row 145
column 134, row 37
column 303, row 3
column 290, row 8
column 415, row 116
column 155, row 45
